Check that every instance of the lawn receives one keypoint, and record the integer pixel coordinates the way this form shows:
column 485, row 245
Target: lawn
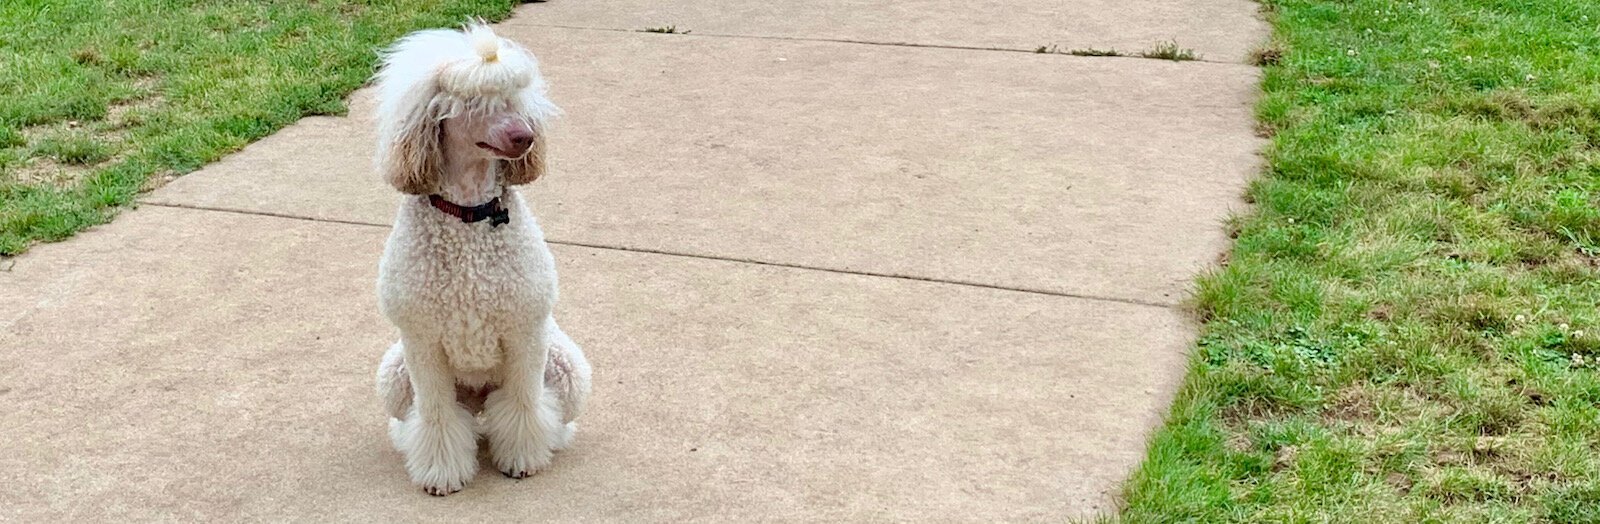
column 1405, row 329
column 106, row 98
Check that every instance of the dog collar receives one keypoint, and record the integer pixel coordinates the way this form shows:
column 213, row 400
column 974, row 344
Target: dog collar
column 491, row 210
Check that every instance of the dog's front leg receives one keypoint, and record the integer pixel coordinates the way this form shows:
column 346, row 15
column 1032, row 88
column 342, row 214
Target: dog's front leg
column 437, row 436
column 518, row 418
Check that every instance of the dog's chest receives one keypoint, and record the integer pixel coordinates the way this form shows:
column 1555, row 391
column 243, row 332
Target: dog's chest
column 471, row 342
column 485, row 304
column 473, row 293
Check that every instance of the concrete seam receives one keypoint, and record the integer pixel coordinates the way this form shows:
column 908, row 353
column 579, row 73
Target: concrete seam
column 1017, row 289
column 879, row 43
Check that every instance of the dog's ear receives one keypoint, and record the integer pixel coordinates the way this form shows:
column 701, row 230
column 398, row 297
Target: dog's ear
column 530, row 166
column 409, row 140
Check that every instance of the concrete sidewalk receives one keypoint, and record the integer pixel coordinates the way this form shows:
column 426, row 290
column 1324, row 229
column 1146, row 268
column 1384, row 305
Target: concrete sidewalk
column 818, row 279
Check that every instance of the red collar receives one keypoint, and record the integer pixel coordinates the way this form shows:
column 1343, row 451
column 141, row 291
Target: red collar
column 491, row 210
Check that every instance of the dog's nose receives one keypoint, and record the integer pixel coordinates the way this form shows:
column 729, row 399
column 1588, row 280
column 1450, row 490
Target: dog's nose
column 520, row 139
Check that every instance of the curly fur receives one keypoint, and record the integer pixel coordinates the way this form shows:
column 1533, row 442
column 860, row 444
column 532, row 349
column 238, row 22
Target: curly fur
column 479, row 351
column 432, row 75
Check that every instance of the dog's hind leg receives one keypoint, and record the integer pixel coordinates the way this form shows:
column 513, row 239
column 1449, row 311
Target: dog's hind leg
column 394, row 384
column 567, row 380
column 567, row 372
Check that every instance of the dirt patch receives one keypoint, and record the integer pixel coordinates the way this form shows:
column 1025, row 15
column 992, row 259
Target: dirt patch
column 157, row 180
column 1534, row 395
column 1353, row 405
column 1284, row 458
column 1399, row 481
column 46, row 172
column 124, row 114
column 42, row 167
column 1238, row 442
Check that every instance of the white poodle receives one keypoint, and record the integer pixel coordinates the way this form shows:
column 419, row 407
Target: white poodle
column 466, row 275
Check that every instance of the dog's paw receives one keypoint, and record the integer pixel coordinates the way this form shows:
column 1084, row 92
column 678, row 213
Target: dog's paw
column 441, row 458
column 440, row 491
column 522, row 465
column 519, row 431
column 441, row 483
column 518, row 474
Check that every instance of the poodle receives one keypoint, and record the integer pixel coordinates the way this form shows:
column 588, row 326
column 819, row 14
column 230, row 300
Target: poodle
column 466, row 275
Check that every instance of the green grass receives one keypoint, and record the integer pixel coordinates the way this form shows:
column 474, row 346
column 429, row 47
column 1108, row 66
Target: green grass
column 1406, row 328
column 73, row 148
column 102, row 96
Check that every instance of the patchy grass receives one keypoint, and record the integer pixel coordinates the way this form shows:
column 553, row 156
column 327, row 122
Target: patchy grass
column 1170, row 51
column 1406, row 328
column 666, row 29
column 101, row 96
column 73, row 148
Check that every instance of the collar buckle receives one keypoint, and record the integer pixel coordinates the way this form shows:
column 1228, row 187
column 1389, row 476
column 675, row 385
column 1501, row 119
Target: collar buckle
column 492, row 210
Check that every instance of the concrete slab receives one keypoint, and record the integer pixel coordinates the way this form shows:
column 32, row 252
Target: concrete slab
column 206, row 366
column 1222, row 30
column 1089, row 176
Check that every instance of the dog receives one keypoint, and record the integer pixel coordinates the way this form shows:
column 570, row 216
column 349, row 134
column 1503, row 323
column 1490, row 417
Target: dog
column 466, row 275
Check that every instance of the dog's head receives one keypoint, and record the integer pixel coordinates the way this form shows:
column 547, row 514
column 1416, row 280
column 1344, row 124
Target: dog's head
column 469, row 92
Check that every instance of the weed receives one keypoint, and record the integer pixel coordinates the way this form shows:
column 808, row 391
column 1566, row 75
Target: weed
column 666, row 29
column 1268, row 54
column 1090, row 51
column 1170, row 51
